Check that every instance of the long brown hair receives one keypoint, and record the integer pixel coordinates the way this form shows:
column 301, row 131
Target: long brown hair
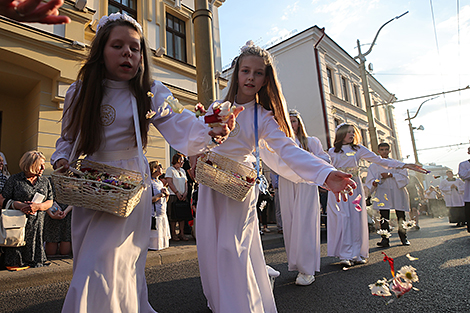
column 86, row 109
column 341, row 134
column 301, row 132
column 270, row 95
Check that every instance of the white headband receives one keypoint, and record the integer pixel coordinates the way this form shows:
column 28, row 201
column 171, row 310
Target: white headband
column 117, row 16
column 338, row 127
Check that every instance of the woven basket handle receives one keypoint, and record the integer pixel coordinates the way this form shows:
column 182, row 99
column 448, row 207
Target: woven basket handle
column 138, row 138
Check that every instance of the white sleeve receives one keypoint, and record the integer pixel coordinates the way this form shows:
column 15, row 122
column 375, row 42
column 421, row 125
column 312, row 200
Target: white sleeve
column 297, row 163
column 315, row 147
column 370, row 156
column 373, row 173
column 64, row 145
column 184, row 132
column 464, row 170
column 401, row 177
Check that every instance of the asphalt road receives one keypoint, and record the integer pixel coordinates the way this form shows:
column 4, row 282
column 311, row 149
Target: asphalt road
column 443, row 268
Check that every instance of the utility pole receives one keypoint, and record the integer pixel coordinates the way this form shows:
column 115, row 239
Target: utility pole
column 365, row 86
column 202, row 19
column 413, row 142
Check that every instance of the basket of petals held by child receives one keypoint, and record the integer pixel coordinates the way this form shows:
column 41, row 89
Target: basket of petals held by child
column 99, row 187
column 218, row 172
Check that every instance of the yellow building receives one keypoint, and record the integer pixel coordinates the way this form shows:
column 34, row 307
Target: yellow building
column 39, row 62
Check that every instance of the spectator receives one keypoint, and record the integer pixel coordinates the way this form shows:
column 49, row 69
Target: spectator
column 277, row 206
column 4, row 169
column 389, row 186
column 464, row 173
column 160, row 233
column 433, row 196
column 32, row 194
column 416, row 193
column 58, row 230
column 453, row 189
column 175, row 176
column 3, row 176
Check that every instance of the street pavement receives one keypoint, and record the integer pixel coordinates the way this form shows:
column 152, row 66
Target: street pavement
column 443, row 266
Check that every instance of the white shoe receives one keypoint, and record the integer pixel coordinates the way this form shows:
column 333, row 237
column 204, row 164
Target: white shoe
column 360, row 260
column 304, row 279
column 345, row 262
column 273, row 274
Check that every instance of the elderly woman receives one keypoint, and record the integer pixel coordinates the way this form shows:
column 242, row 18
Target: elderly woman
column 3, row 171
column 177, row 182
column 32, row 194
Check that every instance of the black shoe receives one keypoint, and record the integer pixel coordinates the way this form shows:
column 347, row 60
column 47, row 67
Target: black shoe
column 383, row 244
column 406, row 243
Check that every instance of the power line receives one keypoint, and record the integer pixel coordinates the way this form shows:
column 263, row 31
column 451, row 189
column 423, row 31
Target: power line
column 448, row 146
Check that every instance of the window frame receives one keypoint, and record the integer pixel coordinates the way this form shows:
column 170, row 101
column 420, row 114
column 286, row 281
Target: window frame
column 330, row 78
column 124, row 8
column 171, row 52
column 344, row 88
column 357, row 97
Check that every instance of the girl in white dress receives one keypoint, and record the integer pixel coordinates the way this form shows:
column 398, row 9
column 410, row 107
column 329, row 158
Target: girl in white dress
column 453, row 189
column 347, row 228
column 160, row 233
column 115, row 81
column 231, row 261
column 300, row 211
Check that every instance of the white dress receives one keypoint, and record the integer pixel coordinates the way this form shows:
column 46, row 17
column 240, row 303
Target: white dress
column 231, row 261
column 110, row 251
column 347, row 228
column 300, row 211
column 453, row 197
column 160, row 236
column 464, row 174
column 390, row 192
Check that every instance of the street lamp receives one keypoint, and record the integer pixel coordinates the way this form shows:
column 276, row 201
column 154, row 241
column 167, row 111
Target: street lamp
column 413, row 128
column 365, row 86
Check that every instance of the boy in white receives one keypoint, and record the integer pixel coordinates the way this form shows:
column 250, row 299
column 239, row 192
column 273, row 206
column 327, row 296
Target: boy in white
column 389, row 185
column 464, row 173
column 453, row 188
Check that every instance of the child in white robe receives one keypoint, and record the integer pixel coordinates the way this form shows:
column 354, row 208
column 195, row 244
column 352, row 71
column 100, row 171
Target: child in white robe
column 231, row 262
column 300, row 211
column 110, row 251
column 347, row 227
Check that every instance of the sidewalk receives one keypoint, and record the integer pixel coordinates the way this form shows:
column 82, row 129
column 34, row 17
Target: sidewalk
column 60, row 270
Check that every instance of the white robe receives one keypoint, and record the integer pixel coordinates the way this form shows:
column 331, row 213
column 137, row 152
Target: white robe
column 231, row 261
column 390, row 192
column 464, row 174
column 160, row 236
column 109, row 251
column 453, row 197
column 300, row 211
column 347, row 228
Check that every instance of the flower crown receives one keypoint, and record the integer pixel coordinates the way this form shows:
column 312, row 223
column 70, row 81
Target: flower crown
column 339, row 126
column 118, row 16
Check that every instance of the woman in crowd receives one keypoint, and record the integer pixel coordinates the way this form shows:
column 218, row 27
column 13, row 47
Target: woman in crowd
column 31, row 193
column 160, row 233
column 175, row 176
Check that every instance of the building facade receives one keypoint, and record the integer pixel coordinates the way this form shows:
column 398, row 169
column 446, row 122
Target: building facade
column 323, row 82
column 39, row 62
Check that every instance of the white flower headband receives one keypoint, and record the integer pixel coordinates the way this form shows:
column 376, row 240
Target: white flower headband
column 117, row 16
column 339, row 126
column 248, row 44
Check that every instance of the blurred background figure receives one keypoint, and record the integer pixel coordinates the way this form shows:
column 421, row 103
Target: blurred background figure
column 464, row 173
column 416, row 193
column 453, row 189
column 434, row 201
column 33, row 11
column 160, row 228
column 4, row 174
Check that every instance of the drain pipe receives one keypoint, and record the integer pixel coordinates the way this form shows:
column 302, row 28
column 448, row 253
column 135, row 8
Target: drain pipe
column 322, row 94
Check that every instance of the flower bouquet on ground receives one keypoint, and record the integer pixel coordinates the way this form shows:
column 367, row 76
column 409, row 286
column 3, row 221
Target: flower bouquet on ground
column 399, row 284
column 99, row 187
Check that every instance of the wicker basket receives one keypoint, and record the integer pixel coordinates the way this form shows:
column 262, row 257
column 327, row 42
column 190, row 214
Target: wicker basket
column 90, row 194
column 222, row 178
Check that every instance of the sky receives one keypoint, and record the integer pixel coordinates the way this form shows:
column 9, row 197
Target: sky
column 424, row 52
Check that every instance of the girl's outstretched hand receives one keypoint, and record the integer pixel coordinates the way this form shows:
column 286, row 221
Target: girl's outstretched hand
column 34, row 11
column 340, row 183
column 220, row 133
column 415, row 167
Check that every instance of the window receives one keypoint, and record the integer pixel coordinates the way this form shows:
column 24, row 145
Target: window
column 175, row 38
column 344, row 85
column 123, row 6
column 357, row 98
column 330, row 81
column 364, row 137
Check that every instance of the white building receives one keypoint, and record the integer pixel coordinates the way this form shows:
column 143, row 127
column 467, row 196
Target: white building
column 322, row 82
